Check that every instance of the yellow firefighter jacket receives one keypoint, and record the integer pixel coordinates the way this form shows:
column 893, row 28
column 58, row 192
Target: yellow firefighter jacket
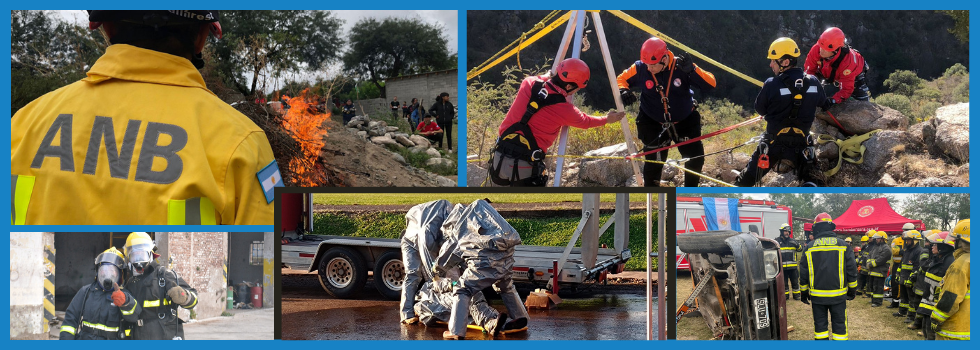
column 141, row 140
column 953, row 305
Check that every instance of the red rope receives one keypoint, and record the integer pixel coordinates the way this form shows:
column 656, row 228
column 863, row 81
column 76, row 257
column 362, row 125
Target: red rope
column 699, row 138
column 848, row 133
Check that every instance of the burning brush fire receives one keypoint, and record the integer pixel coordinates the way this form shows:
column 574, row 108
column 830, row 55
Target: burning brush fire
column 305, row 125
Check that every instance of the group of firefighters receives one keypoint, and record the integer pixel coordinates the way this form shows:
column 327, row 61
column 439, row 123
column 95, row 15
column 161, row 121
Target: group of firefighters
column 132, row 297
column 669, row 113
column 928, row 276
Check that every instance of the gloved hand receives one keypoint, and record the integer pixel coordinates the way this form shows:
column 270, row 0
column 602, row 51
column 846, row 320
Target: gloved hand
column 935, row 325
column 685, row 64
column 178, row 295
column 118, row 297
column 829, row 102
column 851, row 293
column 805, row 297
column 627, row 96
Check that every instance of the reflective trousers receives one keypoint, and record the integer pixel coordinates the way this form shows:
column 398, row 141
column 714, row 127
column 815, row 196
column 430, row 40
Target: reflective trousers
column 837, row 321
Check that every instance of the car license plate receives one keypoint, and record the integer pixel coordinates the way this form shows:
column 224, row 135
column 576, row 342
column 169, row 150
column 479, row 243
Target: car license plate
column 762, row 313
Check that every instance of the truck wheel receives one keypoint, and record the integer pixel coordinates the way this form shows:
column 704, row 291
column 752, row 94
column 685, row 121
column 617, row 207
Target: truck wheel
column 705, row 242
column 342, row 272
column 389, row 275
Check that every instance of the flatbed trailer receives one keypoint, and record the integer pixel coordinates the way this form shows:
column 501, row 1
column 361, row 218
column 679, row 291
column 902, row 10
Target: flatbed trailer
column 343, row 263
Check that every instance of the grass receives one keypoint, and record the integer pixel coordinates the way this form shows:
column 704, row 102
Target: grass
column 536, row 231
column 864, row 322
column 416, row 198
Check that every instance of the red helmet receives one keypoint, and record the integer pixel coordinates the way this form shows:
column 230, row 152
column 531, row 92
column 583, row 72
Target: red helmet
column 822, row 217
column 573, row 70
column 831, row 39
column 653, row 51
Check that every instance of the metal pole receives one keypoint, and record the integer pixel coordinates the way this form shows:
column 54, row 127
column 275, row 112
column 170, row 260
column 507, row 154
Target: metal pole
column 563, row 47
column 649, row 266
column 662, row 267
column 607, row 58
column 576, row 53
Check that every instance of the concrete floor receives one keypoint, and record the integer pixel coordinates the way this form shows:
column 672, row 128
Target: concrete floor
column 256, row 324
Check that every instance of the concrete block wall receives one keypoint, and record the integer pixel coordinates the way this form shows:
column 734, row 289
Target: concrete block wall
column 28, row 276
column 199, row 258
column 424, row 86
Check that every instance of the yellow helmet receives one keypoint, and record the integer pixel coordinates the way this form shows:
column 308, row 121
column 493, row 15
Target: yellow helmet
column 139, row 248
column 864, row 238
column 782, row 47
column 112, row 256
column 881, row 234
column 898, row 241
column 913, row 234
column 848, row 239
column 962, row 230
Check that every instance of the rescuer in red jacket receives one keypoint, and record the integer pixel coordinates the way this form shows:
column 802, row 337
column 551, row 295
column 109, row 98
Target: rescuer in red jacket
column 837, row 64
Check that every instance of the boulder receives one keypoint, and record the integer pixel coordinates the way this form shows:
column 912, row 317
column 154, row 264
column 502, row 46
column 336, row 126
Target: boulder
column 357, row 121
column 417, row 149
column 381, row 140
column 779, row 180
column 886, row 181
column 404, row 141
column 375, row 132
column 933, row 182
column 420, row 140
column 362, row 134
column 827, row 151
column 606, row 172
column 860, row 117
column 475, row 175
column 439, row 161
column 392, row 128
column 399, row 158
column 432, row 152
column 881, row 148
column 443, row 181
column 353, row 130
column 953, row 131
column 963, row 170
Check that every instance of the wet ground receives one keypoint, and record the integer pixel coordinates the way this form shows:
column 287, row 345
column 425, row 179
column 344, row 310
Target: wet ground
column 613, row 312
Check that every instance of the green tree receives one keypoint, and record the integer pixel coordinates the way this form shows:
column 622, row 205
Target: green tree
column 261, row 42
column 938, row 210
column 897, row 102
column 903, row 82
column 804, row 206
column 395, row 46
column 962, row 27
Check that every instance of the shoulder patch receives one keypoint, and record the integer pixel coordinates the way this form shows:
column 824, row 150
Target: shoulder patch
column 649, row 84
column 269, row 178
column 847, row 72
column 677, row 82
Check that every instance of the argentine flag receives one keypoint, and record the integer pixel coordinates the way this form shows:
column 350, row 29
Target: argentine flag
column 269, row 179
column 721, row 214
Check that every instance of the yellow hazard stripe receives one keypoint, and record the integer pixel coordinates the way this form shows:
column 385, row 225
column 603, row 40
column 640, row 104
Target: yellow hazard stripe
column 955, row 335
column 839, row 337
column 100, row 327
column 525, row 43
column 828, row 293
column 191, row 211
column 155, row 303
column 68, row 329
column 21, row 198
column 130, row 311
column 821, row 335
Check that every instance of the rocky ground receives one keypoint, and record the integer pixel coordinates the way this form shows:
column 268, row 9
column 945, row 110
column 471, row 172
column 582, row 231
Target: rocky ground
column 934, row 153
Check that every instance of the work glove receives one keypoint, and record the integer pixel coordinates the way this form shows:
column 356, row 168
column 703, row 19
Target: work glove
column 829, row 102
column 627, row 96
column 935, row 325
column 805, row 297
column 118, row 297
column 685, row 64
column 178, row 295
column 851, row 293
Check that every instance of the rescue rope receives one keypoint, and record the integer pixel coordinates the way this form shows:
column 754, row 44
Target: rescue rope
column 642, row 26
column 750, row 121
column 673, row 163
column 841, row 127
column 520, row 43
column 852, row 147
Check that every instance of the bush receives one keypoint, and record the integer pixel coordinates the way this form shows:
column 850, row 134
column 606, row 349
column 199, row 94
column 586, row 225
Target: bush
column 956, row 70
column 903, row 82
column 926, row 111
column 897, row 102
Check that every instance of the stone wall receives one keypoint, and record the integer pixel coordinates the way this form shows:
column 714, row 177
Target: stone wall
column 424, row 86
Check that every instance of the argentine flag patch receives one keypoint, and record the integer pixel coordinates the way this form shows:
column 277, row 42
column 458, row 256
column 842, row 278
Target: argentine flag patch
column 269, row 179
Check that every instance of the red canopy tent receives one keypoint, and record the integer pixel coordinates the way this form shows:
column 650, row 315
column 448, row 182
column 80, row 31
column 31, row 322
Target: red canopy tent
column 871, row 214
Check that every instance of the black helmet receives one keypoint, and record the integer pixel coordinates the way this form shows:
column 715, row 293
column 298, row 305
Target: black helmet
column 156, row 18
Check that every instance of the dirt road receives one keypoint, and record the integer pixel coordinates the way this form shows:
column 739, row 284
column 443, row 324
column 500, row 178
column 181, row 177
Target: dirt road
column 605, row 312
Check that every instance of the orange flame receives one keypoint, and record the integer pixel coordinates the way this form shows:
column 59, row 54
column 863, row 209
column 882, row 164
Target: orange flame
column 305, row 124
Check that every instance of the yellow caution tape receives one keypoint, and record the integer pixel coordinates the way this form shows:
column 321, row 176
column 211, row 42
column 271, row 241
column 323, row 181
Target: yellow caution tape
column 522, row 43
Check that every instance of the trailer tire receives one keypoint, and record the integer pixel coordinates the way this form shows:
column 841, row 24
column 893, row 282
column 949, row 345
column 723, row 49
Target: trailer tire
column 705, row 242
column 342, row 272
column 389, row 275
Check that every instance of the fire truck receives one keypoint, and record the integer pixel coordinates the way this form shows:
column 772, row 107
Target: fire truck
column 760, row 216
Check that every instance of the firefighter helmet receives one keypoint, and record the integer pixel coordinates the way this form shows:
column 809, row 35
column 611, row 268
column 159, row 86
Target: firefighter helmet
column 831, row 39
column 782, row 47
column 864, row 238
column 947, row 238
column 822, row 217
column 848, row 239
column 139, row 250
column 908, row 226
column 111, row 256
column 653, row 51
column 881, row 234
column 573, row 71
column 913, row 234
column 784, row 227
column 962, row 230
column 157, row 18
column 898, row 241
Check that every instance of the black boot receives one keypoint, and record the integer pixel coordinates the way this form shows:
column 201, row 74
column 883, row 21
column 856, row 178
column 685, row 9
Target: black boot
column 909, row 319
column 917, row 324
column 900, row 313
column 893, row 305
column 516, row 324
column 497, row 326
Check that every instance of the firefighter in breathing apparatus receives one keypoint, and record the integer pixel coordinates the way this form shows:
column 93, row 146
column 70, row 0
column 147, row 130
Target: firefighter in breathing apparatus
column 534, row 120
column 898, row 249
column 951, row 318
column 789, row 103
column 788, row 248
column 859, row 259
column 98, row 309
column 828, row 277
column 930, row 276
column 668, row 111
column 877, row 266
column 910, row 263
column 917, row 279
column 158, row 290
column 839, row 65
